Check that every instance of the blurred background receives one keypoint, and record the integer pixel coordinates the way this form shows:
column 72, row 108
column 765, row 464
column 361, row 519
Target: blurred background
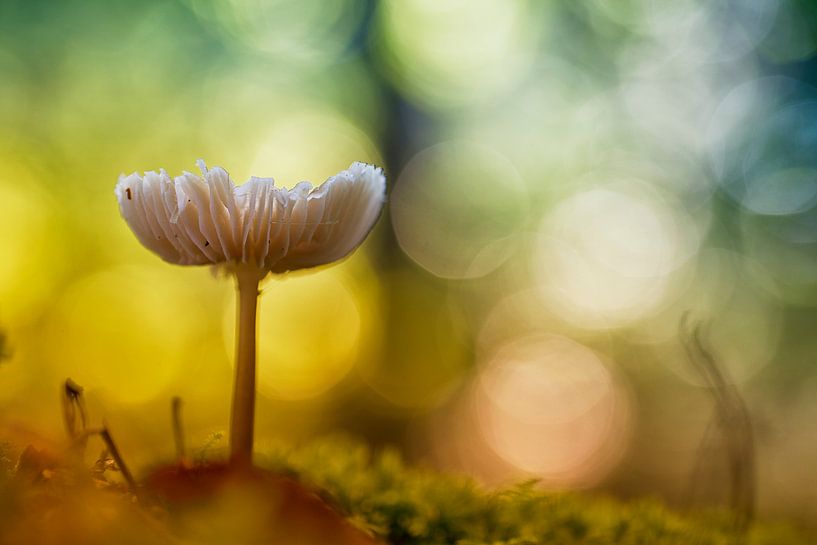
column 567, row 180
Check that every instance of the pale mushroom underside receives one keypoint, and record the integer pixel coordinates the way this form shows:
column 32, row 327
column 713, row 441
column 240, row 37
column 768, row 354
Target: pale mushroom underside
column 190, row 220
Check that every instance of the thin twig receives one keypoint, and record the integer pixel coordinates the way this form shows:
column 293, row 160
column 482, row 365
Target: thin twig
column 117, row 457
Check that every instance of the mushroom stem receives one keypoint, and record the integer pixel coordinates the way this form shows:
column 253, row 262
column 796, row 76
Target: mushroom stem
column 243, row 409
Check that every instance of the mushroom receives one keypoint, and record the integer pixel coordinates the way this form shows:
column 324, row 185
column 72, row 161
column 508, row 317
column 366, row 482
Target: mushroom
column 250, row 230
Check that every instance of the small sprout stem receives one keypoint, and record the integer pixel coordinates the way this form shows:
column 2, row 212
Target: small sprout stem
column 178, row 430
column 73, row 409
column 117, row 457
column 243, row 409
column 5, row 353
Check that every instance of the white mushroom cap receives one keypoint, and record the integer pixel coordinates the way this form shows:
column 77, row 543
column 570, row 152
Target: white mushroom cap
column 193, row 221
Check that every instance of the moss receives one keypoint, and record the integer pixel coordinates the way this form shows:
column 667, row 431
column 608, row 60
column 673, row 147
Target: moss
column 404, row 505
column 416, row 506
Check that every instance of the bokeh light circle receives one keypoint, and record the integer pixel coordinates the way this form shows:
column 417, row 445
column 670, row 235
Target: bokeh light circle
column 762, row 145
column 550, row 407
column 127, row 331
column 456, row 52
column 793, row 37
column 31, row 248
column 669, row 102
column 311, row 145
column 605, row 256
column 456, row 209
column 297, row 32
column 779, row 171
column 309, row 332
column 713, row 31
column 785, row 191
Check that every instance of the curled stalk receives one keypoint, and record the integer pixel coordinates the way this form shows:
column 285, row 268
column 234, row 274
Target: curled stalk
column 732, row 419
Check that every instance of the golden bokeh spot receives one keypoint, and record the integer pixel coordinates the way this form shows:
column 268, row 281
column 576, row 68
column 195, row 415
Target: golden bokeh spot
column 311, row 145
column 309, row 329
column 128, row 330
column 30, row 249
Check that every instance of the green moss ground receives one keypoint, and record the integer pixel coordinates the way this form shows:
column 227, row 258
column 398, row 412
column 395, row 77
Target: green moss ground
column 403, row 505
column 416, row 506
